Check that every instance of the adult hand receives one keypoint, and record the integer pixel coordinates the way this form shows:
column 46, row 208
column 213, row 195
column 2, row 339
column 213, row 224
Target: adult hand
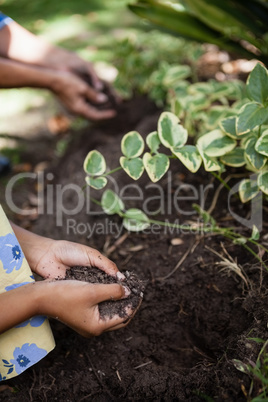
column 80, row 98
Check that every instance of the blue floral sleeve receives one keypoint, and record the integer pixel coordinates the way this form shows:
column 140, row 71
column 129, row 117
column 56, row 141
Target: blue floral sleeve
column 31, row 340
column 4, row 20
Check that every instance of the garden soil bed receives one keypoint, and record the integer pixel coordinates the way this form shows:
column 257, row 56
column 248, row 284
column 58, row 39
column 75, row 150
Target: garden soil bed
column 195, row 318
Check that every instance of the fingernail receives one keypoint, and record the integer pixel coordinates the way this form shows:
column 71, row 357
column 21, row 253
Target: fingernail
column 120, row 276
column 102, row 97
column 99, row 85
column 127, row 291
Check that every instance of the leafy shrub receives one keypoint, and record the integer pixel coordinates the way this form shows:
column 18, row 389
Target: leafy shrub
column 241, row 139
column 230, row 24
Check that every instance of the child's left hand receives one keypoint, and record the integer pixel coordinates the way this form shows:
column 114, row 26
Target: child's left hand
column 50, row 258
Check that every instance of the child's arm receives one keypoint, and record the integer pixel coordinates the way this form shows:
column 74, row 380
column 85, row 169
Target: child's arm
column 72, row 302
column 50, row 258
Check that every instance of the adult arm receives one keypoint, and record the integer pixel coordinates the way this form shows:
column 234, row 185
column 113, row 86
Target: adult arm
column 19, row 44
column 72, row 91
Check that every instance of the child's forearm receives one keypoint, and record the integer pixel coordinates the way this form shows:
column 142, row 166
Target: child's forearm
column 18, row 305
column 33, row 245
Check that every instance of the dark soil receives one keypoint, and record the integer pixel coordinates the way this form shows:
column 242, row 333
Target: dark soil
column 193, row 321
column 110, row 308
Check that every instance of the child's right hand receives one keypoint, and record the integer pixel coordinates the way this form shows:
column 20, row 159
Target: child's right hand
column 74, row 303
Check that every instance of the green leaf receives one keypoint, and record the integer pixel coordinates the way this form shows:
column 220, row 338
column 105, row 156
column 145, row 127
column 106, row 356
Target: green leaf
column 133, row 167
column 229, row 127
column 263, row 182
column 255, row 235
column 248, row 189
column 250, row 116
column 175, row 74
column 153, row 141
column 254, row 158
column 210, row 164
column 240, row 241
column 189, row 156
column 94, row 163
column 98, row 182
column 257, row 84
column 240, row 366
column 111, row 203
column 215, row 143
column 170, row 132
column 156, row 166
column 261, row 145
column 235, row 158
column 135, row 220
column 132, row 144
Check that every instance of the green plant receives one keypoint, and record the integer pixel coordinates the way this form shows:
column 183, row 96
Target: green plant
column 143, row 70
column 230, row 24
column 258, row 371
column 238, row 140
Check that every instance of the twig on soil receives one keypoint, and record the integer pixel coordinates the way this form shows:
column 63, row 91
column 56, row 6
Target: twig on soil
column 142, row 365
column 118, row 242
column 118, row 375
column 180, row 262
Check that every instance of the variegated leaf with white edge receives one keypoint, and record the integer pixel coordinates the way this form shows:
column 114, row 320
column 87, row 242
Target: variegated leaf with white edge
column 261, row 145
column 228, row 125
column 132, row 144
column 235, row 158
column 156, row 166
column 135, row 220
column 263, row 182
column 111, row 203
column 248, row 189
column 94, row 163
column 210, row 164
column 215, row 143
column 250, row 116
column 153, row 141
column 133, row 167
column 96, row 182
column 254, row 158
column 171, row 133
column 189, row 156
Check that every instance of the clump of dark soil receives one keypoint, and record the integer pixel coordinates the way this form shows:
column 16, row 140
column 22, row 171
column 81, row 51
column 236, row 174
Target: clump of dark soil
column 110, row 308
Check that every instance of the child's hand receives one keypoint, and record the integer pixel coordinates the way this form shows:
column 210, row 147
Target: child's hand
column 50, row 258
column 61, row 255
column 75, row 303
column 72, row 302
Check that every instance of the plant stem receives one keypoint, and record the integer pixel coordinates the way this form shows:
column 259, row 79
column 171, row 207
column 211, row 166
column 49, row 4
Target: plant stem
column 112, row 171
column 221, row 180
column 95, row 201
